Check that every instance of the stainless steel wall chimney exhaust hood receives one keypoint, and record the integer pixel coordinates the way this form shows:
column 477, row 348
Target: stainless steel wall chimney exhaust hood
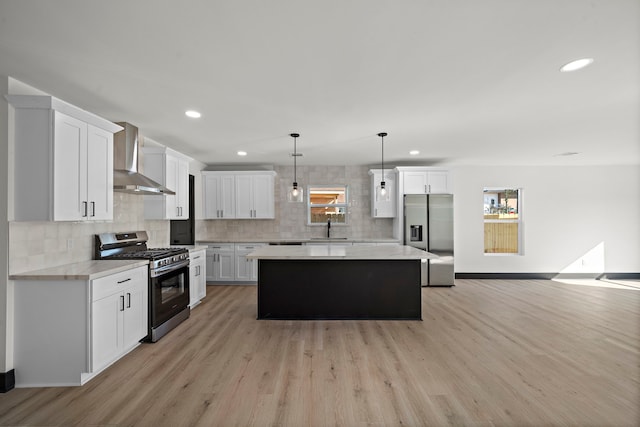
column 126, row 178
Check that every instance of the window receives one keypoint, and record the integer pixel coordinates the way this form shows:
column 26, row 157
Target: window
column 327, row 202
column 502, row 221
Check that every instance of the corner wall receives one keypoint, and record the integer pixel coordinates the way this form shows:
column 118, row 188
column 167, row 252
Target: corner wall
column 6, row 287
column 576, row 219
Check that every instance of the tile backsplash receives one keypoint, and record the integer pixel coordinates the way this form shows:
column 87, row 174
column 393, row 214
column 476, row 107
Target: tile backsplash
column 36, row 245
column 290, row 218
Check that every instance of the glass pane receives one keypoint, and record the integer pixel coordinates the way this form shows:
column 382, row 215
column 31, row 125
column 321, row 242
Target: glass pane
column 501, row 204
column 327, row 195
column 320, row 215
column 500, row 238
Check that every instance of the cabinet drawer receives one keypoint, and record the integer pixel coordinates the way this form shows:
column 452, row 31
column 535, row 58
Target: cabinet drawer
column 248, row 247
column 219, row 247
column 115, row 283
column 197, row 256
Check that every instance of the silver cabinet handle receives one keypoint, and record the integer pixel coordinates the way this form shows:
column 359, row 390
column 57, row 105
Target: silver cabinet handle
column 84, row 206
column 128, row 300
column 121, row 302
column 93, row 208
column 196, row 257
column 425, row 188
column 375, row 212
column 125, row 280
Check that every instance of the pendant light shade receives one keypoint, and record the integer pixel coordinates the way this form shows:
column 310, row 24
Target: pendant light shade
column 382, row 192
column 295, row 194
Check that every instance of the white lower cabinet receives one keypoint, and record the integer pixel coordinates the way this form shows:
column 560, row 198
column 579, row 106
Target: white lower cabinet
column 221, row 263
column 197, row 276
column 119, row 319
column 227, row 263
column 246, row 269
column 68, row 331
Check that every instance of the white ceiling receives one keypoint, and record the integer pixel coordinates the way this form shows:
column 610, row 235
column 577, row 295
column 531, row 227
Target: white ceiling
column 463, row 81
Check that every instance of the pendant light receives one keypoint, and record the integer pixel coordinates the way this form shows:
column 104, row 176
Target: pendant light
column 295, row 195
column 382, row 192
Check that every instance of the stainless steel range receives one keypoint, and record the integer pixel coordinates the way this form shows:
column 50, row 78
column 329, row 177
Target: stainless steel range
column 168, row 277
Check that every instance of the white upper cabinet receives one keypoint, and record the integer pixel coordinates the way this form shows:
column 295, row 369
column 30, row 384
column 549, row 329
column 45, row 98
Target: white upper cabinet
column 424, row 180
column 238, row 194
column 254, row 195
column 219, row 195
column 171, row 169
column 383, row 208
column 63, row 161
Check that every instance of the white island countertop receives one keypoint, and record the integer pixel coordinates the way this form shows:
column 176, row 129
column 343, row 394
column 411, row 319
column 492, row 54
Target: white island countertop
column 341, row 252
column 85, row 270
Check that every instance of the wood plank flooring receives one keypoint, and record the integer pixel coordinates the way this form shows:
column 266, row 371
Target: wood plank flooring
column 488, row 353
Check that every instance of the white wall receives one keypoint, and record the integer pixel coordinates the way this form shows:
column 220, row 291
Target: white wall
column 6, row 292
column 577, row 219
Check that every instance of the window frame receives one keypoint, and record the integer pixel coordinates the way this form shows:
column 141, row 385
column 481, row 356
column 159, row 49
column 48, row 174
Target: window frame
column 518, row 221
column 344, row 205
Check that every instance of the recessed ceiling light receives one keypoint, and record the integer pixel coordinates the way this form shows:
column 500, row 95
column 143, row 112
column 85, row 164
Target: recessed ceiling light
column 242, row 153
column 567, row 153
column 576, row 65
column 193, row 114
column 414, row 152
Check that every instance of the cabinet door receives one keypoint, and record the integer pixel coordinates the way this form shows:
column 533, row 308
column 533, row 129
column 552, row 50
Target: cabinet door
column 171, row 182
column 438, row 182
column 227, row 201
column 69, row 169
column 383, row 208
column 106, row 330
column 211, row 260
column 202, row 283
column 219, row 196
column 182, row 192
column 99, row 173
column 135, row 315
column 415, row 182
column 244, row 196
column 226, row 266
column 197, row 282
column 243, row 266
column 262, row 195
column 211, row 196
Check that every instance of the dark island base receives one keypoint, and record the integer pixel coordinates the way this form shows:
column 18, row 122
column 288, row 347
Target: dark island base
column 339, row 289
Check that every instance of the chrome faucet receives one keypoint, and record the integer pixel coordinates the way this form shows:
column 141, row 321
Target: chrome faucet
column 328, row 228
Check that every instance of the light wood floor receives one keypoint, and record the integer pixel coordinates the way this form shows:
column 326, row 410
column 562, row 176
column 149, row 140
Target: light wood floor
column 492, row 353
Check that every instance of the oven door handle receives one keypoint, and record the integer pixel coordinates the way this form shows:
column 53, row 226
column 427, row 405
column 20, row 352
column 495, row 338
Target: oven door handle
column 169, row 268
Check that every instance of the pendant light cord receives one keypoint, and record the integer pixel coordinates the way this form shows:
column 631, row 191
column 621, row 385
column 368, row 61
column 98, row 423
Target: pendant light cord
column 382, row 135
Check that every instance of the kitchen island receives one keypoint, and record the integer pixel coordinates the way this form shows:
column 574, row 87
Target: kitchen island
column 339, row 282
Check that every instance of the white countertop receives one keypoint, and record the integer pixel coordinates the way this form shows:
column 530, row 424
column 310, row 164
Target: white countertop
column 191, row 248
column 85, row 270
column 340, row 252
column 302, row 240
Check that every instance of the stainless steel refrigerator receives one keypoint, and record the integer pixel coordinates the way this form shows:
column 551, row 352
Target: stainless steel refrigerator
column 428, row 225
